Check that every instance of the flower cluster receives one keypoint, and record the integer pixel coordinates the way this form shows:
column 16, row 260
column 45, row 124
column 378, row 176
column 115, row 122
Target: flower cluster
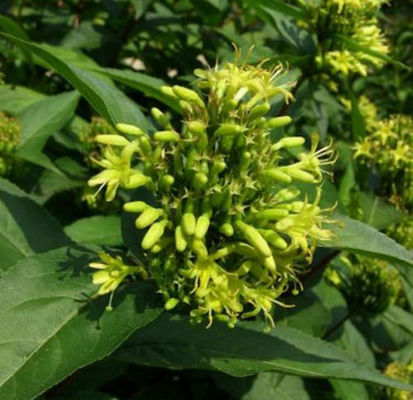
column 9, row 139
column 93, row 152
column 401, row 372
column 390, row 148
column 368, row 111
column 346, row 28
column 368, row 284
column 403, row 232
column 227, row 230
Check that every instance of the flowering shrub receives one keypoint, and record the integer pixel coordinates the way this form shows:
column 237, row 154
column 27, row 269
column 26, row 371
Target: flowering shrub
column 177, row 222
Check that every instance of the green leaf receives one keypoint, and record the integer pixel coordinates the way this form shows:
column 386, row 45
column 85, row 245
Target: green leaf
column 106, row 99
column 280, row 6
column 14, row 99
column 265, row 386
column 351, row 340
column 99, row 229
column 357, row 237
column 25, row 227
column 378, row 213
column 51, row 327
column 309, row 314
column 347, row 390
column 149, row 85
column 8, row 25
column 172, row 343
column 39, row 121
column 50, row 183
column 400, row 317
column 297, row 38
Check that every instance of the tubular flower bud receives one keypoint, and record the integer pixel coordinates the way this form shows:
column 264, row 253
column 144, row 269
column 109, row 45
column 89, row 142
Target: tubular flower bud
column 129, row 129
column 114, row 140
column 167, row 136
column 229, row 231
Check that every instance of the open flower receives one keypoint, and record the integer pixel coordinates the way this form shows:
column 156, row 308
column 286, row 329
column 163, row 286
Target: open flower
column 112, row 272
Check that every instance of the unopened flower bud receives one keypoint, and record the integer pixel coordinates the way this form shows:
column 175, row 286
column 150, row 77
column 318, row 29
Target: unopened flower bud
column 154, row 233
column 113, row 140
column 129, row 129
column 278, row 122
column 167, row 136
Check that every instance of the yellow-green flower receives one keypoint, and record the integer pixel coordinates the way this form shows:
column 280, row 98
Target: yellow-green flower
column 228, row 232
column 401, row 372
column 112, row 272
column 348, row 27
column 390, row 147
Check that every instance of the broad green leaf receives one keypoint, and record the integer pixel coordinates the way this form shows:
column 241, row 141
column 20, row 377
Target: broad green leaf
column 39, row 121
column 14, row 99
column 107, row 100
column 351, row 340
column 347, row 390
column 72, row 176
column 9, row 25
column 378, row 213
column 308, row 315
column 50, row 325
column 400, row 317
column 99, row 229
column 297, row 38
column 265, row 386
column 332, row 300
column 172, row 343
column 383, row 333
column 360, row 238
column 140, row 6
column 25, row 227
column 280, row 6
column 149, row 85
